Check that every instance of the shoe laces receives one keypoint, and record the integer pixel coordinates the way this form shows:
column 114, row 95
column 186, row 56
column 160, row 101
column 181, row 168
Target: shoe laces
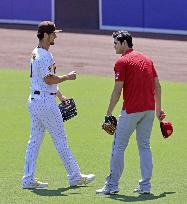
column 84, row 179
column 36, row 182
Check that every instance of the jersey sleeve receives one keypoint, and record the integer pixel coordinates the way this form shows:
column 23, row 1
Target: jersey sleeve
column 45, row 66
column 119, row 70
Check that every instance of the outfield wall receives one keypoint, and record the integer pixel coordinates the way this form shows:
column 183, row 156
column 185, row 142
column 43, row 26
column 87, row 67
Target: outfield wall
column 77, row 14
column 26, row 11
column 156, row 16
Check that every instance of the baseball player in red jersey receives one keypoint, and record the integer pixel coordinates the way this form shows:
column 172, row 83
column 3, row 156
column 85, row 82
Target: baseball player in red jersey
column 44, row 111
column 136, row 77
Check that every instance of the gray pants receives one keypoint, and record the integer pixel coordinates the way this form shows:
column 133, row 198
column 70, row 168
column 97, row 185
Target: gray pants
column 127, row 123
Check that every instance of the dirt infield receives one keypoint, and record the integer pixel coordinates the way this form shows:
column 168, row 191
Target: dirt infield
column 93, row 54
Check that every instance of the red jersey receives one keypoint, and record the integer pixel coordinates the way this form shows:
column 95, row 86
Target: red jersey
column 138, row 73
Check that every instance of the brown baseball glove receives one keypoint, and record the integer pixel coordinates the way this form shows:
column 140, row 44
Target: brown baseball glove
column 109, row 124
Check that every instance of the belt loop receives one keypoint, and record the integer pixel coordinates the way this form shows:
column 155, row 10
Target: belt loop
column 37, row 92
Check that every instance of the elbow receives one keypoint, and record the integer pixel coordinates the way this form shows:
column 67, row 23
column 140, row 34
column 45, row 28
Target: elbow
column 48, row 82
column 159, row 88
column 157, row 84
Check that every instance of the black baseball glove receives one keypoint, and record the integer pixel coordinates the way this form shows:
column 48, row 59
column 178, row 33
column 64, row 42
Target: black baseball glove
column 109, row 124
column 68, row 109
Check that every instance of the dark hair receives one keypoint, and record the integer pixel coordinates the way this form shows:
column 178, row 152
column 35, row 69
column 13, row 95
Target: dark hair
column 123, row 35
column 40, row 36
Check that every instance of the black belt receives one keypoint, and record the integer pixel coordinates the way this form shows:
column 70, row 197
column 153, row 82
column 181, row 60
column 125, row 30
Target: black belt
column 38, row 93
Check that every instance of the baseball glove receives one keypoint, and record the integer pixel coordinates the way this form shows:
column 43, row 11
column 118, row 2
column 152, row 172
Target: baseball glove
column 68, row 109
column 166, row 128
column 109, row 124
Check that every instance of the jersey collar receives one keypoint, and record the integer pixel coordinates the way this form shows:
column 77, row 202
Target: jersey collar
column 128, row 51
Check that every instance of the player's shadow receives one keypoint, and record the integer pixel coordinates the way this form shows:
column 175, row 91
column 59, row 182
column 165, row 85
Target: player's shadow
column 141, row 197
column 55, row 192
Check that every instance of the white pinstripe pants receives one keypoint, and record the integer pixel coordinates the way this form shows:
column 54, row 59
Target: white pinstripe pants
column 45, row 114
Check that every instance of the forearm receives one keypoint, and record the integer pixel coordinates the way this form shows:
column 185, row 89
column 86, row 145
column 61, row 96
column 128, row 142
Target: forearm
column 60, row 96
column 158, row 97
column 55, row 79
column 113, row 101
column 158, row 106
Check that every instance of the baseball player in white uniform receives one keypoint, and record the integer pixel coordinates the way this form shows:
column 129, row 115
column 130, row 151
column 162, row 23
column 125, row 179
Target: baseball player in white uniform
column 45, row 114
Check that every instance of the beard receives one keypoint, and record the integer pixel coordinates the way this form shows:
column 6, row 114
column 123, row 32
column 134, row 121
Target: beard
column 118, row 52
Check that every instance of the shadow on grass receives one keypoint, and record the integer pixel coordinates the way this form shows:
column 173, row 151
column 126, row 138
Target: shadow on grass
column 55, row 192
column 141, row 197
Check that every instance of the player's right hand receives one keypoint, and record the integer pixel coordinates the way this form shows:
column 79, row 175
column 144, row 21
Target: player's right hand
column 72, row 75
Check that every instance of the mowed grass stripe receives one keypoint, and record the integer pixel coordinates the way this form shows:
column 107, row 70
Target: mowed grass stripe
column 90, row 145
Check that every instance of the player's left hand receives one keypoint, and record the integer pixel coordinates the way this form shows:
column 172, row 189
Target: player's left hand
column 63, row 98
column 160, row 115
column 166, row 128
column 68, row 109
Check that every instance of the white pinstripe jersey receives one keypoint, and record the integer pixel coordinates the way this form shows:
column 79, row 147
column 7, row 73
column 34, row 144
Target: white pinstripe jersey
column 42, row 64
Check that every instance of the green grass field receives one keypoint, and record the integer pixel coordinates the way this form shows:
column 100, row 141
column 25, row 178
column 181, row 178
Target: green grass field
column 90, row 145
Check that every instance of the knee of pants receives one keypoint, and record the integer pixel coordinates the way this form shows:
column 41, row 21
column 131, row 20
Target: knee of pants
column 61, row 141
column 58, row 136
column 121, row 142
column 143, row 145
column 34, row 143
column 120, row 147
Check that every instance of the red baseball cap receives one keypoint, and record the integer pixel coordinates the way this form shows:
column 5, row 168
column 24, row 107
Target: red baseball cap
column 166, row 128
column 47, row 27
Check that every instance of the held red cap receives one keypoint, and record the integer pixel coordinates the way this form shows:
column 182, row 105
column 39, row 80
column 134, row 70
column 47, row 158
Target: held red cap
column 166, row 128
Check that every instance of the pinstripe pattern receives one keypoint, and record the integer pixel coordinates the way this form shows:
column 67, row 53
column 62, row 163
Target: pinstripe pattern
column 45, row 114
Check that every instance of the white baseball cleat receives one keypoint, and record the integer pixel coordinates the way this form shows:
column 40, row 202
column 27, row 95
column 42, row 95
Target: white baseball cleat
column 35, row 184
column 140, row 191
column 85, row 179
column 107, row 191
